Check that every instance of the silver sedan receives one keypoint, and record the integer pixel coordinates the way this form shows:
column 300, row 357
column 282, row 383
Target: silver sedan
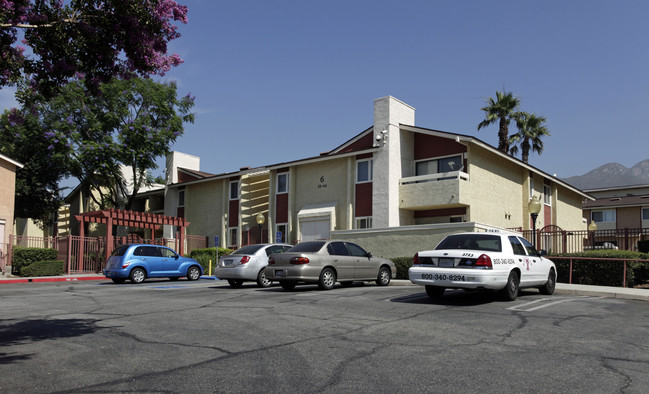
column 247, row 264
column 328, row 262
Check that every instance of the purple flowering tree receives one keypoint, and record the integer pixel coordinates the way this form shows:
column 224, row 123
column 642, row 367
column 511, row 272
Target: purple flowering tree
column 92, row 138
column 90, row 39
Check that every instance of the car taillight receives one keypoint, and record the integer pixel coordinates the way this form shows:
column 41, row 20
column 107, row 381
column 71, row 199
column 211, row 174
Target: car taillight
column 484, row 261
column 271, row 261
column 125, row 265
column 299, row 260
column 415, row 260
column 244, row 259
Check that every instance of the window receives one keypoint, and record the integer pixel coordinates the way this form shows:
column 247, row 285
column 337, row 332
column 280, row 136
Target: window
column 645, row 213
column 232, row 236
column 531, row 186
column 168, row 253
column 234, row 190
column 605, row 216
column 517, row 246
column 337, row 249
column 436, row 166
column 356, row 250
column 547, row 195
column 365, row 222
column 364, row 171
column 181, row 198
column 282, row 183
column 280, row 232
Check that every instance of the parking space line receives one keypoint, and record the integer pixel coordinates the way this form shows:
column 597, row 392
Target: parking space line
column 523, row 307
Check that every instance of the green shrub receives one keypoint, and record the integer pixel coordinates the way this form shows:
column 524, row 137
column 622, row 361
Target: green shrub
column 22, row 257
column 587, row 271
column 402, row 264
column 203, row 256
column 44, row 268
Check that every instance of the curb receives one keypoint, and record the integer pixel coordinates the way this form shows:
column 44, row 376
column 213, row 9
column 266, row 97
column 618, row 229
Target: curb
column 51, row 279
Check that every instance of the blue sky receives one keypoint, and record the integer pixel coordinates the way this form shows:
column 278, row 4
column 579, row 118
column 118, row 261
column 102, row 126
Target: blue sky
column 282, row 80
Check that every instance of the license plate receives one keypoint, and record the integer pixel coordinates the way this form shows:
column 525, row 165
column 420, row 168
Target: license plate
column 446, row 262
column 279, row 274
column 227, row 263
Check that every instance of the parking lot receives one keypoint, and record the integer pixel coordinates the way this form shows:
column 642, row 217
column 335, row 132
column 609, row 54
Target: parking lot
column 203, row 336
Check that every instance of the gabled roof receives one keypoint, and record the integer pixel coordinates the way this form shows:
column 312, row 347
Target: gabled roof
column 614, row 202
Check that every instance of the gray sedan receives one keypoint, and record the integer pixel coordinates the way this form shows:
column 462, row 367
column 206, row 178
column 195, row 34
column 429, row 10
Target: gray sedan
column 328, row 262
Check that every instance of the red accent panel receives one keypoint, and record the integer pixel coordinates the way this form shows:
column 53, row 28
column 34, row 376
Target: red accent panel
column 364, row 199
column 440, row 212
column 281, row 208
column 233, row 213
column 428, row 146
column 184, row 177
column 547, row 215
column 362, row 144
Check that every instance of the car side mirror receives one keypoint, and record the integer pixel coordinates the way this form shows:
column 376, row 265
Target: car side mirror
column 369, row 255
column 543, row 252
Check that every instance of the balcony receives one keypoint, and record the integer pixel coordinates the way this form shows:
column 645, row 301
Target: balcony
column 433, row 191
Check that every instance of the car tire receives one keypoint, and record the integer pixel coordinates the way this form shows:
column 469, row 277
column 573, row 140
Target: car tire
column 384, row 276
column 288, row 284
column 510, row 292
column 435, row 291
column 137, row 275
column 193, row 273
column 327, row 279
column 262, row 280
column 548, row 287
column 118, row 281
column 235, row 283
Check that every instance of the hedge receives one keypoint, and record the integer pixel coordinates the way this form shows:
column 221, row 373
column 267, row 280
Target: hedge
column 44, row 268
column 603, row 273
column 402, row 264
column 22, row 257
column 203, row 256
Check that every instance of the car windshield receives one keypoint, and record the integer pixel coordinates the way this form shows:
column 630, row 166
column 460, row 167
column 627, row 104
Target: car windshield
column 250, row 249
column 307, row 247
column 486, row 242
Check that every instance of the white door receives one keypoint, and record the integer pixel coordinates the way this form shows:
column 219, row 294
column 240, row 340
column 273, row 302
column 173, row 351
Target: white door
column 313, row 229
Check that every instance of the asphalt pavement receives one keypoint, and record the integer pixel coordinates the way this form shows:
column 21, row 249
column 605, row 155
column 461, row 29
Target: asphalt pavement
column 641, row 294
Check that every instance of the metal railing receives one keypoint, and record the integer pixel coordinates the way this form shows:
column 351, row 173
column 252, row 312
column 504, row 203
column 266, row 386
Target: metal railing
column 588, row 278
column 564, row 241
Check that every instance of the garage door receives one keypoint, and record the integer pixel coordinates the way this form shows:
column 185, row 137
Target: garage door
column 313, row 229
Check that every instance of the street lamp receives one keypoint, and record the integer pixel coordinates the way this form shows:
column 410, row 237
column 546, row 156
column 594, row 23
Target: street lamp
column 260, row 221
column 534, row 207
column 592, row 227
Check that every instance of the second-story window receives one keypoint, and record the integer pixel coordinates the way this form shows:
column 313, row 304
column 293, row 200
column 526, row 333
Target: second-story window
column 234, row 190
column 282, row 183
column 181, row 197
column 604, row 216
column 440, row 165
column 547, row 195
column 364, row 171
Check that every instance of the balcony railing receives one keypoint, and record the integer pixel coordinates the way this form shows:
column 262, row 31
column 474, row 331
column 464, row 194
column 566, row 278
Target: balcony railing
column 433, row 190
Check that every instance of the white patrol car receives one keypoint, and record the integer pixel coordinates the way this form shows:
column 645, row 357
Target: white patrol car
column 497, row 261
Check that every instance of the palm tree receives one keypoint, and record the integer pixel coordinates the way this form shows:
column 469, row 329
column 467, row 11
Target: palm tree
column 502, row 110
column 531, row 129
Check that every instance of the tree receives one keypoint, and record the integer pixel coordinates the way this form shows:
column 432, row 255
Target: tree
column 91, row 39
column 531, row 129
column 91, row 137
column 500, row 110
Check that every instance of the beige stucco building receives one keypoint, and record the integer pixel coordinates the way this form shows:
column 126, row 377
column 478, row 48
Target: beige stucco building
column 395, row 188
column 8, row 168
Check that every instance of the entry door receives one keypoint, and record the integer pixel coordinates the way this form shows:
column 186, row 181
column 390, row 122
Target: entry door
column 315, row 229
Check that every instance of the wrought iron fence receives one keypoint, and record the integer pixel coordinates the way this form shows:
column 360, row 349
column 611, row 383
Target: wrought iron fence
column 556, row 240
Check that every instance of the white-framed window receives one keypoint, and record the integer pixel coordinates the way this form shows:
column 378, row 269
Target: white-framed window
column 364, row 170
column 280, row 232
column 457, row 219
column 364, row 222
column 547, row 195
column 645, row 213
column 232, row 236
column 234, row 190
column 603, row 216
column 531, row 187
column 282, row 183
column 181, row 197
column 438, row 165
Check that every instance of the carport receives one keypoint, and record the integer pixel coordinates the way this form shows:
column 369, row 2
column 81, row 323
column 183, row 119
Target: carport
column 120, row 217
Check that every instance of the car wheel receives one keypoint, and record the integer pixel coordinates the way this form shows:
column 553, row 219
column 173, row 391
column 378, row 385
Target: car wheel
column 235, row 283
column 119, row 281
column 327, row 279
column 346, row 283
column 193, row 273
column 384, row 277
column 435, row 291
column 287, row 284
column 548, row 287
column 510, row 292
column 262, row 281
column 138, row 275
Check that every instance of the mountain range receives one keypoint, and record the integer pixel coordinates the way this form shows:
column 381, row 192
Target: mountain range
column 612, row 175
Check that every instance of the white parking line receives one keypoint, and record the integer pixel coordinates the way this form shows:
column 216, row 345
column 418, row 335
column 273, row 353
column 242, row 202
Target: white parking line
column 523, row 307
